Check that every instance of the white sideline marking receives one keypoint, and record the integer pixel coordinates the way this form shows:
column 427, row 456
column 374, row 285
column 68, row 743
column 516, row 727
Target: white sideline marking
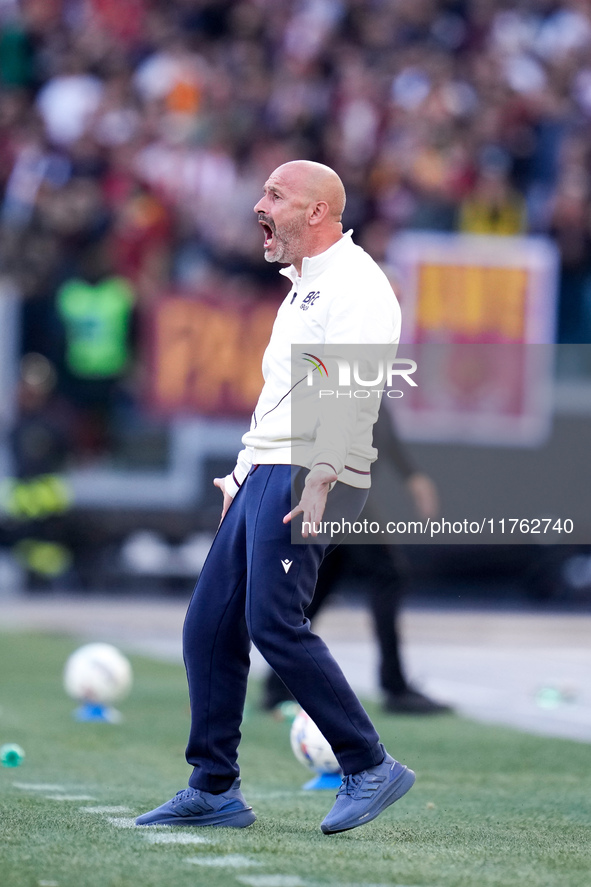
column 105, row 809
column 121, row 821
column 358, row 884
column 39, row 786
column 175, row 838
column 296, row 881
column 69, row 798
column 232, row 861
column 48, row 883
column 272, row 881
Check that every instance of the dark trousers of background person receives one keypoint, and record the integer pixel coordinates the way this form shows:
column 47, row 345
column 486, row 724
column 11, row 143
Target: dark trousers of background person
column 379, row 572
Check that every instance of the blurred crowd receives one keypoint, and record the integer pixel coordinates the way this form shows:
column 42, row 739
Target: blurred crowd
column 135, row 136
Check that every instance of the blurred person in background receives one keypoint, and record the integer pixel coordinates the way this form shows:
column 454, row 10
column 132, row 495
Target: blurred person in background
column 36, row 500
column 570, row 224
column 379, row 572
column 494, row 206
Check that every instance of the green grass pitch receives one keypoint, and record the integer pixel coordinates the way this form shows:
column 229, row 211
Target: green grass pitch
column 491, row 807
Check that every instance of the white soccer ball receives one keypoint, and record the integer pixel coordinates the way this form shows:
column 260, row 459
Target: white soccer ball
column 310, row 747
column 97, row 673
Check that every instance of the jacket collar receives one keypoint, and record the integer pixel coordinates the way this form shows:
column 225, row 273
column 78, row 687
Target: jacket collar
column 314, row 265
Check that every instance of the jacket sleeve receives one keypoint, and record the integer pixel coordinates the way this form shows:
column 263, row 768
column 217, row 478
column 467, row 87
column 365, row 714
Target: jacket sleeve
column 356, row 320
column 234, row 480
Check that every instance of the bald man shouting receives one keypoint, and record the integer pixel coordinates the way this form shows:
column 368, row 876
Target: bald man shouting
column 256, row 583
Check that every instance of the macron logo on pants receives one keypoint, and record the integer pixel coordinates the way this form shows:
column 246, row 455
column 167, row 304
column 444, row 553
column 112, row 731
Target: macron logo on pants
column 286, row 565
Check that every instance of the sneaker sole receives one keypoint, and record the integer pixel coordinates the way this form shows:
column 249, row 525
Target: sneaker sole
column 232, row 819
column 397, row 789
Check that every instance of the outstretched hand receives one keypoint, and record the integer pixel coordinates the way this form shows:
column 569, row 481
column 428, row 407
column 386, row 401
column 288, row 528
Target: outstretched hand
column 313, row 502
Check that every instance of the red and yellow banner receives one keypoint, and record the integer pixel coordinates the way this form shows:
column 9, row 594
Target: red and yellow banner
column 476, row 302
column 206, row 356
column 478, row 315
column 476, row 289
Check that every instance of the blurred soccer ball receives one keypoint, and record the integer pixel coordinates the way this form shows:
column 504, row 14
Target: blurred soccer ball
column 97, row 673
column 146, row 551
column 310, row 747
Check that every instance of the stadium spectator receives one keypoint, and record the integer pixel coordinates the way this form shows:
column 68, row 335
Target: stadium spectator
column 380, row 574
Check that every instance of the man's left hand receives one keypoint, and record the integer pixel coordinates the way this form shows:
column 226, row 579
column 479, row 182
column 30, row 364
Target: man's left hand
column 313, row 502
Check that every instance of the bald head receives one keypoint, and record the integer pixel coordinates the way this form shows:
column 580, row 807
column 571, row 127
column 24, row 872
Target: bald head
column 315, row 182
column 300, row 211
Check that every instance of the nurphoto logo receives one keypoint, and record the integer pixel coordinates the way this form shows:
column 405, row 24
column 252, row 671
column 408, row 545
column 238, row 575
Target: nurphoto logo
column 382, row 374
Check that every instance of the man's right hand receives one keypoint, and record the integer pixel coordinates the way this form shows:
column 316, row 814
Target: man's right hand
column 219, row 482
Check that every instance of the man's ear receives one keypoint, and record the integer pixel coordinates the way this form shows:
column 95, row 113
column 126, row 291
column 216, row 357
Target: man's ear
column 317, row 212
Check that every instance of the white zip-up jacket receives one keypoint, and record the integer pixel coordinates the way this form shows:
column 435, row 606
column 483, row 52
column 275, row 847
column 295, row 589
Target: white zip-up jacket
column 342, row 297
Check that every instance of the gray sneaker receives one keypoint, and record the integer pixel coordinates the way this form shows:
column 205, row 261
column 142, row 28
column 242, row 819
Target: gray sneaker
column 364, row 795
column 199, row 808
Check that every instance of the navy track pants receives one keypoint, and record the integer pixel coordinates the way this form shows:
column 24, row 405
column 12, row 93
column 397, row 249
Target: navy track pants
column 244, row 594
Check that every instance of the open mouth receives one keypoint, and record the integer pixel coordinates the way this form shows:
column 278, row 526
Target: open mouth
column 269, row 232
